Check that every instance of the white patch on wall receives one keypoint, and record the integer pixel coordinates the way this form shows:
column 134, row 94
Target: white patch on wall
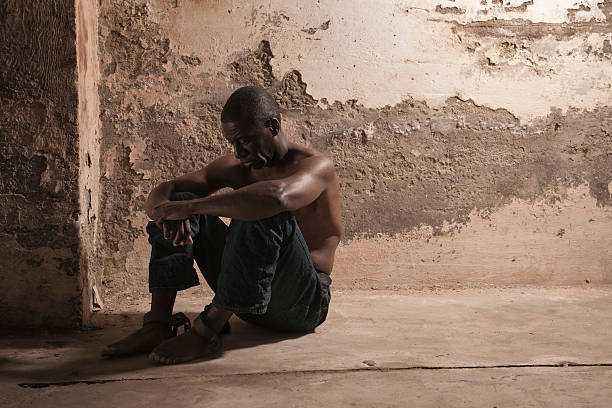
column 536, row 11
column 380, row 53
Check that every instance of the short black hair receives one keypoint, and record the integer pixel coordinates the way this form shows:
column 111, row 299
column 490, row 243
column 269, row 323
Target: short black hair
column 250, row 103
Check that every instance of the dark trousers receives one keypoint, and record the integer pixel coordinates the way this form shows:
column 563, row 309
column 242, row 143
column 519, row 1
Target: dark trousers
column 259, row 270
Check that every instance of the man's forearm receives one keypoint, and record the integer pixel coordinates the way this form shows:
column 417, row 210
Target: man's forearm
column 249, row 203
column 160, row 194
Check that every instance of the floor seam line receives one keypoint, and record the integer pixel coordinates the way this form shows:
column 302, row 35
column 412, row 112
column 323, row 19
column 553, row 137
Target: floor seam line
column 315, row 371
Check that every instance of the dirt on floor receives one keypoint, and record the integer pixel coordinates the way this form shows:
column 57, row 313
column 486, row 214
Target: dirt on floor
column 521, row 346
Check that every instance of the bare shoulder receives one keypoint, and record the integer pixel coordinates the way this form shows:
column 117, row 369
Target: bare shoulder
column 311, row 160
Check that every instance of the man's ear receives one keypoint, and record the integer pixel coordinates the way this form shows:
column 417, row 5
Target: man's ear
column 274, row 126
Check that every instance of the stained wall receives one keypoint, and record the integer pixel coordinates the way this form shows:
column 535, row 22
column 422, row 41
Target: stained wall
column 472, row 138
column 45, row 242
column 89, row 157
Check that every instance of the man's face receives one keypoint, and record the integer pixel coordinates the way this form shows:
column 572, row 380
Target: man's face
column 253, row 143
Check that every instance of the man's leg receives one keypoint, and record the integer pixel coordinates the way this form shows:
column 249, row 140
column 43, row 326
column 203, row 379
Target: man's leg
column 208, row 251
column 170, row 270
column 265, row 276
column 251, row 260
column 288, row 293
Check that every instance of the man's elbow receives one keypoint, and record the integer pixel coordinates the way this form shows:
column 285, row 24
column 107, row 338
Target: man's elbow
column 161, row 192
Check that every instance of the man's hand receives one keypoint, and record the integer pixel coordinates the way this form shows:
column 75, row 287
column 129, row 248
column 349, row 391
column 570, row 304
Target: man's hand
column 177, row 230
column 171, row 210
column 172, row 218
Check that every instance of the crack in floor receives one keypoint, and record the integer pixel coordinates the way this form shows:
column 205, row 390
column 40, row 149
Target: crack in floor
column 563, row 364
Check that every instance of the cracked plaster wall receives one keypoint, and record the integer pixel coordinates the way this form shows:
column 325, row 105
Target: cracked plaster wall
column 472, row 138
column 45, row 243
column 89, row 156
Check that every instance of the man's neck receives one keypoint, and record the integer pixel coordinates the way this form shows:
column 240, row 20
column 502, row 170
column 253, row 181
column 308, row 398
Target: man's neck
column 282, row 146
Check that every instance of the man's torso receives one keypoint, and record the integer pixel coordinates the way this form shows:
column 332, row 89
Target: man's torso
column 320, row 222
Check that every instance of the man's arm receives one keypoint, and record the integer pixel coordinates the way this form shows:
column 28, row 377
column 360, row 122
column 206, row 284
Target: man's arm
column 204, row 182
column 264, row 198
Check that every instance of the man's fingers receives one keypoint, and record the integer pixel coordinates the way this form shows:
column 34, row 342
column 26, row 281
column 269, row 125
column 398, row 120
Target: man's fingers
column 170, row 229
column 178, row 238
column 180, row 235
column 179, row 231
column 165, row 229
column 187, row 227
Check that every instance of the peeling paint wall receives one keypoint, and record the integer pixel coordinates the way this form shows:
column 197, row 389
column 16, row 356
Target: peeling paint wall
column 468, row 126
column 89, row 155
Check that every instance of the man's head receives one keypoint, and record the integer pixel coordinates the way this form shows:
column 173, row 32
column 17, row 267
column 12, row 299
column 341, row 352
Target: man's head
column 251, row 122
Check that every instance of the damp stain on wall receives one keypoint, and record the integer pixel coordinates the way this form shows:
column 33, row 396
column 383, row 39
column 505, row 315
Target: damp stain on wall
column 442, row 145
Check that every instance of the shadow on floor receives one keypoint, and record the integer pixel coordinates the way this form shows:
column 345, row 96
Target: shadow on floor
column 65, row 357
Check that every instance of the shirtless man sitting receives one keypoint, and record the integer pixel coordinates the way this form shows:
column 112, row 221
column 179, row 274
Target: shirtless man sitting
column 271, row 265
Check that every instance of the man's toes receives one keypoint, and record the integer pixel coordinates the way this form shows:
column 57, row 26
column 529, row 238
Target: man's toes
column 158, row 358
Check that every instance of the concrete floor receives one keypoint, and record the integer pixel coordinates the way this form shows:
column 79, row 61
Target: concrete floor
column 515, row 347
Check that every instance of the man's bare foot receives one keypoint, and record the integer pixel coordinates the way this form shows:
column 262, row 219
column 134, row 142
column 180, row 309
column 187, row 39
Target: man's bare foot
column 186, row 347
column 141, row 341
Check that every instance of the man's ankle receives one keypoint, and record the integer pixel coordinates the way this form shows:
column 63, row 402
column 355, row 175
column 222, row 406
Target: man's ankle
column 156, row 318
column 216, row 318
